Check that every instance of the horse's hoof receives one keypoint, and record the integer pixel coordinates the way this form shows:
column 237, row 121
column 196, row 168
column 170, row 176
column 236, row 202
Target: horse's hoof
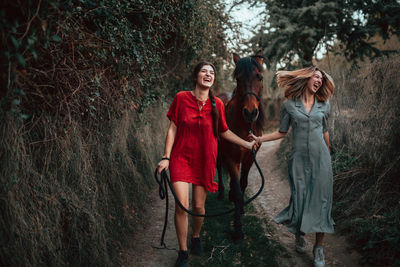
column 237, row 236
column 221, row 196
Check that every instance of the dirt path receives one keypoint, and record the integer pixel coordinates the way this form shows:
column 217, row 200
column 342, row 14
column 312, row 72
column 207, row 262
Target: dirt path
column 272, row 200
column 275, row 198
column 142, row 252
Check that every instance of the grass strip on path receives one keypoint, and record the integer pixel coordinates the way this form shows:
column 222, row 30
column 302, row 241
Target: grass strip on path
column 219, row 250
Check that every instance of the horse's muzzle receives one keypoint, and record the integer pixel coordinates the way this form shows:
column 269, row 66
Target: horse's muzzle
column 250, row 116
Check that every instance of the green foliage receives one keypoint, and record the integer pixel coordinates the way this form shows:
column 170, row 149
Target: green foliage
column 145, row 46
column 219, row 250
column 377, row 233
column 293, row 29
column 342, row 161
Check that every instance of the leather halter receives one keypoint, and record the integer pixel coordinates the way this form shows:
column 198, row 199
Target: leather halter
column 251, row 93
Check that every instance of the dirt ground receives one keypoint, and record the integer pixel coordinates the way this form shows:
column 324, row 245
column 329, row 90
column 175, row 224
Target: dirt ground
column 145, row 246
column 272, row 200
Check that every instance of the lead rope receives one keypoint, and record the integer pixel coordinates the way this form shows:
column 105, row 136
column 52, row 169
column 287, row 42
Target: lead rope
column 163, row 193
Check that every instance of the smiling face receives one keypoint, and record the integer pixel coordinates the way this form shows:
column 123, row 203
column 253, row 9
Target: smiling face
column 205, row 77
column 314, row 82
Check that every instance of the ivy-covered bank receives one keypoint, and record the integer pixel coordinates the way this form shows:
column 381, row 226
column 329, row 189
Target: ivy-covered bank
column 83, row 84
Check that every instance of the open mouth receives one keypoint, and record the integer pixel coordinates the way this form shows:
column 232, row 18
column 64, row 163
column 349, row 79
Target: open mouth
column 316, row 86
column 207, row 80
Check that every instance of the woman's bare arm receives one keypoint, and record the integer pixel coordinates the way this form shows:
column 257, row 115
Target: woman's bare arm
column 232, row 137
column 326, row 139
column 268, row 137
column 169, row 142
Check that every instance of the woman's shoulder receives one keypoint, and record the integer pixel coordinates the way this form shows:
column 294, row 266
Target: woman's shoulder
column 324, row 104
column 218, row 101
column 183, row 93
column 287, row 103
column 220, row 104
column 183, row 96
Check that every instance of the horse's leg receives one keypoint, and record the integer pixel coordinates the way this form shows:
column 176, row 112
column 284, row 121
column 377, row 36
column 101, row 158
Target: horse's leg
column 221, row 188
column 244, row 173
column 237, row 199
column 234, row 186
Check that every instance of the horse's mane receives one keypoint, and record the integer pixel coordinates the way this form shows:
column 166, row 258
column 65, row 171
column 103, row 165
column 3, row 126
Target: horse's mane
column 244, row 70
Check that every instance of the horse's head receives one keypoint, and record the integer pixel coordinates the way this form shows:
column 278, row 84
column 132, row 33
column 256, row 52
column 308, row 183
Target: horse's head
column 249, row 76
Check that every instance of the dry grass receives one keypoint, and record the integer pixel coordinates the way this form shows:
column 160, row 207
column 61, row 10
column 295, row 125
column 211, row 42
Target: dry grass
column 76, row 157
column 365, row 137
column 70, row 200
column 365, row 121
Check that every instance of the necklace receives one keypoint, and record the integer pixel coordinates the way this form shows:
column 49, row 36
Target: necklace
column 198, row 98
column 200, row 102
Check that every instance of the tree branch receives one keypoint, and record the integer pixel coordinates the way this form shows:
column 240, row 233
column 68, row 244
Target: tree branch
column 30, row 21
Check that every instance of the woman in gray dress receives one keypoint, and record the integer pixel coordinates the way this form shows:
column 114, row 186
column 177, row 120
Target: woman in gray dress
column 310, row 169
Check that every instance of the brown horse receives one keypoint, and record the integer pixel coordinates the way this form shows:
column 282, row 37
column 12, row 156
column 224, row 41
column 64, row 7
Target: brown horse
column 244, row 113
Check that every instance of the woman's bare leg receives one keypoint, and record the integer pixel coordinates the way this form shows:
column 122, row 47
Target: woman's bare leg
column 319, row 238
column 198, row 202
column 181, row 217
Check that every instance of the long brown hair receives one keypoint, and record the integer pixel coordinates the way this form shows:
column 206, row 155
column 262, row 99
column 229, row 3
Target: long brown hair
column 214, row 111
column 295, row 83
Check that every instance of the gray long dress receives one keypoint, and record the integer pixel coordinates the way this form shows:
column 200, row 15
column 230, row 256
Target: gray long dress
column 310, row 169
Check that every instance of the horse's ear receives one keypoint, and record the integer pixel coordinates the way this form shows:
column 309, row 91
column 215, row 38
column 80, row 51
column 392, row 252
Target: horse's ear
column 236, row 58
column 259, row 57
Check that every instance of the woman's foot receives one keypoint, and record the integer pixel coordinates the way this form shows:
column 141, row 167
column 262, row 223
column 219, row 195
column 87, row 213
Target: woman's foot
column 182, row 258
column 196, row 247
column 300, row 243
column 319, row 258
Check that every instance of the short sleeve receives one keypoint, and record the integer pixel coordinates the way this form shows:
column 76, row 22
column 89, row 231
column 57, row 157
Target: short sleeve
column 284, row 120
column 222, row 125
column 173, row 110
column 326, row 117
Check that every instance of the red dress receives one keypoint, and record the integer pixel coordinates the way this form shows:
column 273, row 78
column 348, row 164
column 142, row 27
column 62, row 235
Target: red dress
column 194, row 153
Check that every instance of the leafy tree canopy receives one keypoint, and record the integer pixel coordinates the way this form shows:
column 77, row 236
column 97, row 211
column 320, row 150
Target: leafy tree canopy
column 294, row 29
column 124, row 51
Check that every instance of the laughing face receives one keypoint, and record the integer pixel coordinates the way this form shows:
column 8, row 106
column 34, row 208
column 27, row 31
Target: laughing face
column 315, row 82
column 206, row 76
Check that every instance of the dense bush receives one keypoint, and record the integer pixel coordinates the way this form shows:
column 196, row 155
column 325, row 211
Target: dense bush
column 81, row 80
column 365, row 134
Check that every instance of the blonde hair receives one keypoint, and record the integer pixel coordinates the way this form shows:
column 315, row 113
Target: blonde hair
column 295, row 83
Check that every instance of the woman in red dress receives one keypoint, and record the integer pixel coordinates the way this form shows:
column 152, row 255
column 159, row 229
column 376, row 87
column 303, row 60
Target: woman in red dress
column 197, row 120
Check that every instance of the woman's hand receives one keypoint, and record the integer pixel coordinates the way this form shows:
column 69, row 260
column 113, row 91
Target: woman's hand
column 163, row 164
column 257, row 139
column 252, row 144
column 232, row 137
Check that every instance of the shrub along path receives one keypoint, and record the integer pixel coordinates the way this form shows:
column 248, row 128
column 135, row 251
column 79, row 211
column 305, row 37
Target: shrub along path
column 274, row 198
